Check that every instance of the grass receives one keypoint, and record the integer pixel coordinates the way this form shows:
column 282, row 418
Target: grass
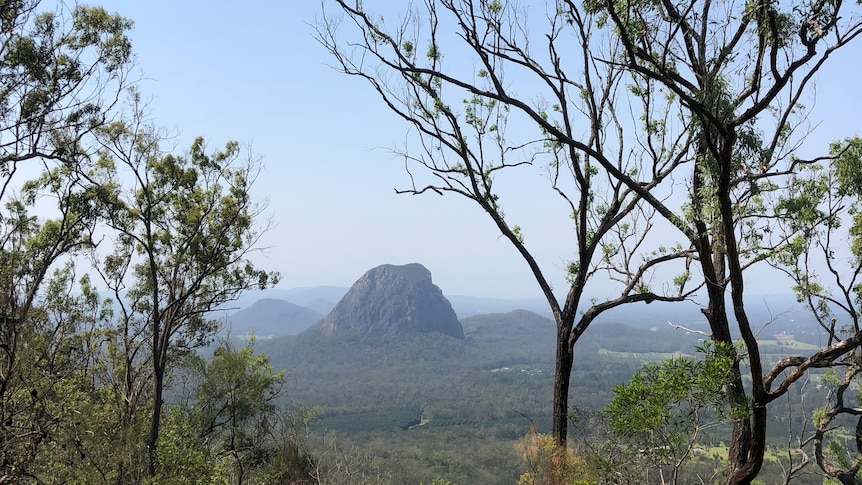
column 790, row 344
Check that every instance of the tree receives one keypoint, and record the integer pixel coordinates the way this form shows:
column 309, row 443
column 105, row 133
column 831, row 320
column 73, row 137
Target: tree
column 61, row 75
column 825, row 263
column 738, row 74
column 229, row 429
column 84, row 434
column 662, row 413
column 474, row 125
column 235, row 406
column 76, row 376
column 185, row 226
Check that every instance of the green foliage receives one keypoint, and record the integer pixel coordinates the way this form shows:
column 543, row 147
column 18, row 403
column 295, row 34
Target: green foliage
column 681, row 279
column 80, row 377
column 821, row 200
column 818, row 416
column 801, row 206
column 572, row 272
column 183, row 458
column 185, row 226
column 60, row 76
column 235, row 416
column 51, row 68
column 847, row 165
column 664, row 407
column 76, row 396
column 516, row 230
column 235, row 397
column 433, row 52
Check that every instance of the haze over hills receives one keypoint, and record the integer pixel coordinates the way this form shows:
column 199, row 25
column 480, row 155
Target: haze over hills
column 270, row 316
column 778, row 313
column 323, row 299
column 276, row 312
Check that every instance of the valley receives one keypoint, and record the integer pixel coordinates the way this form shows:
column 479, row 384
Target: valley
column 408, row 386
column 415, row 407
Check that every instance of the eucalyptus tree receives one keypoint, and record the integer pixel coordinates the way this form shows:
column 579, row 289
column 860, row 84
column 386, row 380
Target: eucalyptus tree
column 183, row 228
column 824, row 262
column 236, row 412
column 659, row 418
column 739, row 73
column 83, row 436
column 62, row 71
column 487, row 99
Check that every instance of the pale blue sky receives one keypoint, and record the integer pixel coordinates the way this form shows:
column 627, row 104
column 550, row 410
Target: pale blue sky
column 252, row 72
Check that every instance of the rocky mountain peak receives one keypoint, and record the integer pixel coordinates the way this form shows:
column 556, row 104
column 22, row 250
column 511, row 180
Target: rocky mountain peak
column 393, row 300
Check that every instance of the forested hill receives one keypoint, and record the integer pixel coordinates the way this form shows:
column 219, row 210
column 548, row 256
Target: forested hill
column 350, row 373
column 270, row 316
column 464, row 402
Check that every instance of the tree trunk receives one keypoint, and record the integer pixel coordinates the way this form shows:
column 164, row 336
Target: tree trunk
column 740, row 468
column 155, row 419
column 562, row 375
column 159, row 365
column 757, row 416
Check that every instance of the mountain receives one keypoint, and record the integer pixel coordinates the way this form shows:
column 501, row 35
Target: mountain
column 319, row 298
column 466, row 306
column 312, row 296
column 517, row 326
column 271, row 316
column 321, row 305
column 323, row 299
column 394, row 300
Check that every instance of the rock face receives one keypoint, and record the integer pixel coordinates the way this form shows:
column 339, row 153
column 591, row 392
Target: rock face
column 394, row 300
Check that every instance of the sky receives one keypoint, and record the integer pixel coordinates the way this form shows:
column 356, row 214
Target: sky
column 253, row 72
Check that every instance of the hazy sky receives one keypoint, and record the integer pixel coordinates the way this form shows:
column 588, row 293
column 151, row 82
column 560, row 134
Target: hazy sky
column 252, row 72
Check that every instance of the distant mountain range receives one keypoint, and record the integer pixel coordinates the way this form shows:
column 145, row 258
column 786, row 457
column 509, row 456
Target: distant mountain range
column 323, row 299
column 276, row 312
column 278, row 316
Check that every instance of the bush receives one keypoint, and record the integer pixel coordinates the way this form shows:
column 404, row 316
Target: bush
column 552, row 465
